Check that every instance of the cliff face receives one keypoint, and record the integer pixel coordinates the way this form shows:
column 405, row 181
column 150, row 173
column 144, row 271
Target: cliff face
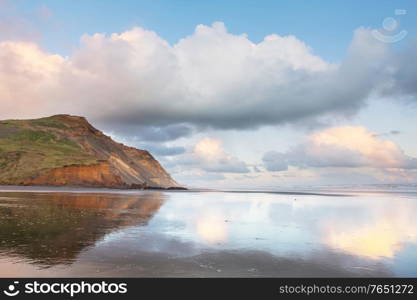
column 98, row 174
column 67, row 150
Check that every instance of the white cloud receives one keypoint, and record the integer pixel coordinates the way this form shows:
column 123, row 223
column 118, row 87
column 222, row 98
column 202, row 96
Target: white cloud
column 28, row 77
column 210, row 78
column 343, row 147
column 208, row 156
column 211, row 157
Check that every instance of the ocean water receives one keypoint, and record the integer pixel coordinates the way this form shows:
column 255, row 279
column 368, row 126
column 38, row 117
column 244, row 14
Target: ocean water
column 321, row 232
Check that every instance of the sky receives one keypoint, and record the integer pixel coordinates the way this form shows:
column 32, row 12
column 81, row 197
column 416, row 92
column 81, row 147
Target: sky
column 227, row 94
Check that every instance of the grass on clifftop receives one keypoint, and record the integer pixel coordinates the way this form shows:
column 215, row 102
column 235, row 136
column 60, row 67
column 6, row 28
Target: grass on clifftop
column 30, row 147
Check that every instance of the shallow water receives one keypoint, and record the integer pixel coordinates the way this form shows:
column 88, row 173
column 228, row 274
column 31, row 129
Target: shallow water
column 86, row 232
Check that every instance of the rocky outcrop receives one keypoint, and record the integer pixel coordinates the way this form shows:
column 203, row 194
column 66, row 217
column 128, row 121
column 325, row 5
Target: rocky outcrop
column 66, row 150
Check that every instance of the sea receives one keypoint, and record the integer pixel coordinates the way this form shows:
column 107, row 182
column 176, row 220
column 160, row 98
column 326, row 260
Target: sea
column 345, row 231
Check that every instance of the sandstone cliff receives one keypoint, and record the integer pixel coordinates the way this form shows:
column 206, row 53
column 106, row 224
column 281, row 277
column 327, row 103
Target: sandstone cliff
column 66, row 150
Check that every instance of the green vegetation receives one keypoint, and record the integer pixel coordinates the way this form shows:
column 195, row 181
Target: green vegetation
column 31, row 147
column 51, row 122
column 33, row 136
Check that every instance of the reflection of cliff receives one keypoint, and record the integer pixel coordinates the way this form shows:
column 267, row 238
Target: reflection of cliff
column 53, row 228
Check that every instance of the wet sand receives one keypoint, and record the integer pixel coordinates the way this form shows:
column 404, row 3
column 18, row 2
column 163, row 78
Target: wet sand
column 101, row 233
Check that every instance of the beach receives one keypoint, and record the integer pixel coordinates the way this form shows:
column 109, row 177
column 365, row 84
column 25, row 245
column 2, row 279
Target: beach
column 343, row 232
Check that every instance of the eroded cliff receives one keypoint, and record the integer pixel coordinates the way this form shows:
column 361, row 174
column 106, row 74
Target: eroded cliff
column 66, row 150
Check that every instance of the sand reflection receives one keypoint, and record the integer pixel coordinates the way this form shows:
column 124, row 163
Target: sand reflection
column 212, row 228
column 53, row 228
column 387, row 228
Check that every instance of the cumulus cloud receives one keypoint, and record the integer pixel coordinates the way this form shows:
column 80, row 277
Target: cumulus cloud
column 343, row 147
column 208, row 155
column 403, row 71
column 211, row 78
column 211, row 156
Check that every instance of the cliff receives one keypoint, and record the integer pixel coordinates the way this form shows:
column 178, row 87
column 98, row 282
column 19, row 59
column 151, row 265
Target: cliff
column 66, row 150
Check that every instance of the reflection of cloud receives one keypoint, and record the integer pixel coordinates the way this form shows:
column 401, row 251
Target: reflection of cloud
column 392, row 227
column 212, row 228
column 373, row 242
